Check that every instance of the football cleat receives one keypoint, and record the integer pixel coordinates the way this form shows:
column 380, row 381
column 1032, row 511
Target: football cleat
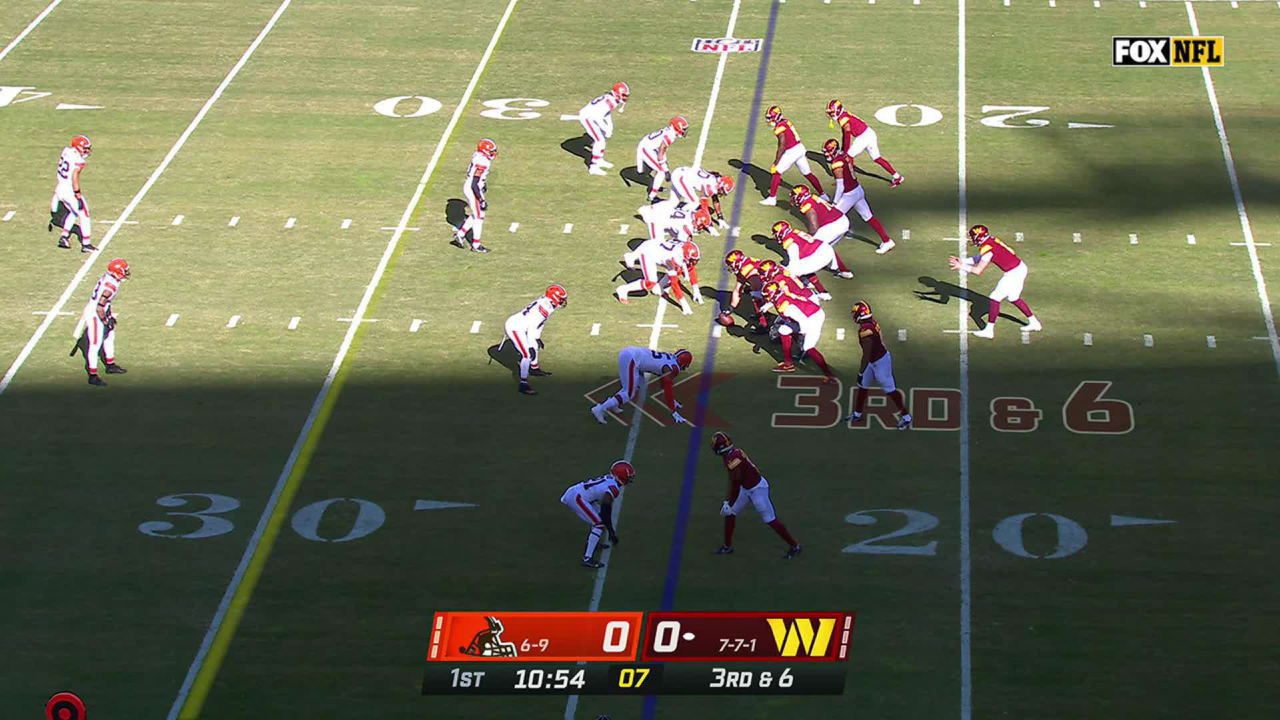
column 978, row 233
column 95, row 380
column 539, row 372
column 596, row 170
column 593, row 564
column 87, row 248
column 621, row 92
column 834, row 108
column 861, row 311
column 64, row 243
column 487, row 148
column 81, row 144
column 118, row 269
column 792, row 553
column 769, row 201
column 597, row 412
column 724, row 185
column 623, row 471
column 723, row 550
column 904, row 422
column 720, row 443
column 1033, row 325
column 988, row 332
column 784, row 367
column 773, row 114
column 114, row 369
column 684, row 358
column 845, row 274
column 477, row 247
column 824, row 296
column 680, row 125
column 524, row 389
column 831, row 149
column 557, row 295
column 886, row 246
column 799, row 194
column 896, row 182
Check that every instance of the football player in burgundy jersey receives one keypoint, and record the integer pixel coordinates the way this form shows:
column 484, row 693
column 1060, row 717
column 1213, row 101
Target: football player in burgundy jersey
column 877, row 367
column 746, row 273
column 790, row 152
column 849, row 194
column 858, row 137
column 992, row 250
column 746, row 485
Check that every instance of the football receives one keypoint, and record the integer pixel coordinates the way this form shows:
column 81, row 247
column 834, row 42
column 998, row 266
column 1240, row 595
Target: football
column 725, row 319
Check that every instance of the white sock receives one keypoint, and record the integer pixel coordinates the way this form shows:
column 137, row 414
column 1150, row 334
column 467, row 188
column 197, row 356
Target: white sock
column 593, row 539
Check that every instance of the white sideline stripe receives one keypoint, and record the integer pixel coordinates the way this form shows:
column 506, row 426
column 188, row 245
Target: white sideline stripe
column 902, row 334
column 839, row 333
column 622, row 229
column 962, row 319
column 14, row 42
column 514, row 227
column 1018, row 237
column 1148, row 340
column 568, row 228
column 346, row 223
column 1088, row 339
column 1191, row 239
column 1211, row 341
column 597, row 590
column 234, row 321
column 173, row 320
column 235, row 220
column 290, row 223
column 413, row 326
column 1133, row 238
column 399, row 229
column 475, row 327
column 1075, row 237
column 9, row 215
column 142, row 192
column 177, row 219
column 1245, row 227
column 595, row 328
column 293, row 322
column 269, row 508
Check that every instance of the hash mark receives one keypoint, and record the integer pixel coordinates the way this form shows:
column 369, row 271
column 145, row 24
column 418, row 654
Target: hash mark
column 568, row 228
column 595, row 328
column 177, row 220
column 289, row 223
column 839, row 333
column 1148, row 341
column 234, row 321
column 293, row 322
column 906, row 233
column 413, row 326
column 346, row 223
column 716, row 331
column 1026, row 337
column 1211, row 341
column 1017, row 237
column 1133, row 238
column 622, row 229
column 475, row 328
column 9, row 215
column 235, row 220
column 1075, row 237
column 1088, row 339
column 1191, row 239
column 902, row 334
column 514, row 227
column 173, row 319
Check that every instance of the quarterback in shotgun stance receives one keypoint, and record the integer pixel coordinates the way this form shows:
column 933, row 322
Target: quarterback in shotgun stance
column 858, row 138
column 474, row 188
column 991, row 250
column 597, row 119
column 746, row 486
column 592, row 500
column 524, row 330
column 633, row 364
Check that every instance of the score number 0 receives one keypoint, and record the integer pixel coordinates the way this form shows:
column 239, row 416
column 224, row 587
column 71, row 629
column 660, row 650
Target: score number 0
column 665, row 639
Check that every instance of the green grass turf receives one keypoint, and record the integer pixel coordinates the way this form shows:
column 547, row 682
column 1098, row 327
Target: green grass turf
column 1162, row 621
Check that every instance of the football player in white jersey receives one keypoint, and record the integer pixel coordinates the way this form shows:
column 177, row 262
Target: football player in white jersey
column 669, row 227
column 524, row 330
column 662, row 264
column 473, row 188
column 592, row 500
column 651, row 153
column 633, row 363
column 692, row 188
column 597, row 119
column 96, row 332
column 67, row 206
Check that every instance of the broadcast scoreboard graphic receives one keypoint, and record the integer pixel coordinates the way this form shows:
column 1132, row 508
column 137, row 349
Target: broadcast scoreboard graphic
column 634, row 653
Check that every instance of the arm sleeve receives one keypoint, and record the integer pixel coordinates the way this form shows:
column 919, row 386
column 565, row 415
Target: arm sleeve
column 668, row 392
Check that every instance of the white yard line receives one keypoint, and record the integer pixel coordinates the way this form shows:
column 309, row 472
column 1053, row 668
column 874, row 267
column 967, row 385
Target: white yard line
column 966, row 596
column 14, row 43
column 1245, row 227
column 597, row 590
column 146, row 187
column 269, row 509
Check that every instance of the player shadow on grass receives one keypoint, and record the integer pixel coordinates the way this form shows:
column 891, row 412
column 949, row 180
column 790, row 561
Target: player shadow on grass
column 771, row 245
column 979, row 304
column 760, row 177
column 455, row 212
column 579, row 146
column 631, row 175
column 508, row 357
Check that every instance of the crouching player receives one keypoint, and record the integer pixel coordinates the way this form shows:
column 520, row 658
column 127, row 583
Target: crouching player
column 592, row 500
column 746, row 485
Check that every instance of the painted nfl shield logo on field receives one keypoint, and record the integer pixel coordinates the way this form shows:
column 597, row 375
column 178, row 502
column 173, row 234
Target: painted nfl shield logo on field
column 725, row 45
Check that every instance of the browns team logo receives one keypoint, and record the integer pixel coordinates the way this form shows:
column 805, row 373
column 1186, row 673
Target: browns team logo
column 800, row 636
column 726, row 45
column 489, row 643
column 1168, row 51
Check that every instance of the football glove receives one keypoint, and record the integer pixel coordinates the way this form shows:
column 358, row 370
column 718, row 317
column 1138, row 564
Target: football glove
column 725, row 510
column 678, row 418
column 724, row 225
column 697, row 295
column 109, row 322
column 484, row 204
column 541, row 344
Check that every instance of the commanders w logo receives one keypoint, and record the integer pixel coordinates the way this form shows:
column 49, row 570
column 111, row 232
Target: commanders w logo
column 800, row 636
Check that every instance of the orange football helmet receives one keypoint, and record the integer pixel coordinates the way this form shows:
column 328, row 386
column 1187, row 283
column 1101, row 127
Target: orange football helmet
column 773, row 114
column 623, row 471
column 621, row 92
column 831, row 148
column 81, row 144
column 557, row 295
column 834, row 108
column 684, row 358
column 691, row 253
column 861, row 311
column 118, row 269
column 978, row 233
column 680, row 125
column 487, row 148
column 701, row 219
column 724, row 185
column 780, row 230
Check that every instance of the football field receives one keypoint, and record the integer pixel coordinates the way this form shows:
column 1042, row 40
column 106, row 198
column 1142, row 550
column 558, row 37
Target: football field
column 318, row 445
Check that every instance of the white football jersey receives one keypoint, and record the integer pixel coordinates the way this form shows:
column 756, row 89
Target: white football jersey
column 658, row 141
column 534, row 316
column 695, row 182
column 597, row 489
column 654, row 362
column 107, row 286
column 69, row 161
column 599, row 108
column 479, row 167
